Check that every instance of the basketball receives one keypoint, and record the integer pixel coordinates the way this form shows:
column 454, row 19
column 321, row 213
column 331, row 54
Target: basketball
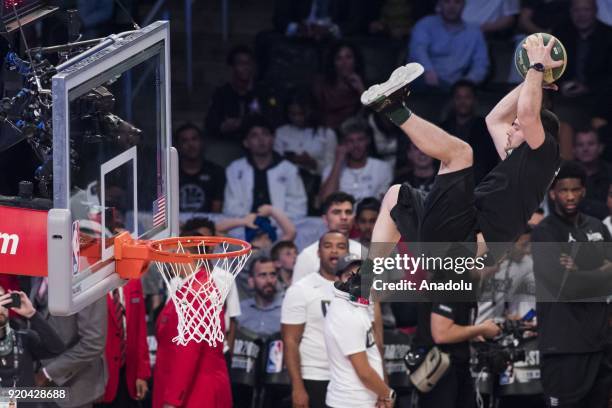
column 521, row 60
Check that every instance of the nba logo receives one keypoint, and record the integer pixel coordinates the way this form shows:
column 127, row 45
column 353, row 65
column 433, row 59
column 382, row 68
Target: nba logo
column 275, row 357
column 76, row 248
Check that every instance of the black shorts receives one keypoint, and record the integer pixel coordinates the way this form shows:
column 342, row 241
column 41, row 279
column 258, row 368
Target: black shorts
column 449, row 211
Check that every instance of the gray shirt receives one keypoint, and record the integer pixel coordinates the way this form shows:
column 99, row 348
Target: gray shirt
column 261, row 320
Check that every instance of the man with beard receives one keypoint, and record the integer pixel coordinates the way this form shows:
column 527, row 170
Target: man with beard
column 261, row 314
column 303, row 319
column 353, row 171
column 571, row 256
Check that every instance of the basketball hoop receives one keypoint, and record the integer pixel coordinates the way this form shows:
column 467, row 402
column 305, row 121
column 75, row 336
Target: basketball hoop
column 198, row 271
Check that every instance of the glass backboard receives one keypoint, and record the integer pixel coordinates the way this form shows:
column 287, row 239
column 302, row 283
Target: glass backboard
column 112, row 162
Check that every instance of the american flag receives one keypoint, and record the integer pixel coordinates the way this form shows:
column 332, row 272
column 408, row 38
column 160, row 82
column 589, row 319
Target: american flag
column 159, row 211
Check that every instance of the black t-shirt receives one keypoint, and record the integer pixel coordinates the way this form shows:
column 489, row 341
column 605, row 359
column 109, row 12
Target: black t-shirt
column 507, row 196
column 198, row 191
column 570, row 327
column 420, row 183
column 261, row 190
column 475, row 133
column 461, row 313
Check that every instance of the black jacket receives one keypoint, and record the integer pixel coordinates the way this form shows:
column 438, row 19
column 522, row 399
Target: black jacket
column 579, row 326
column 38, row 340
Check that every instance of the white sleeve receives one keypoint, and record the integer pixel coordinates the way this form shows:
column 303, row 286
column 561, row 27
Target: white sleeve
column 350, row 334
column 296, row 204
column 511, row 7
column 278, row 141
column 293, row 310
column 232, row 302
column 231, row 200
column 329, row 152
column 305, row 264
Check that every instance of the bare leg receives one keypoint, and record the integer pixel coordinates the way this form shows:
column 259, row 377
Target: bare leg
column 389, row 98
column 454, row 154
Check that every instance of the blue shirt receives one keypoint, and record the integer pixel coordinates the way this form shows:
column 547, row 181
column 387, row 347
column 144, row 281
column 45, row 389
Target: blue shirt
column 454, row 53
column 261, row 320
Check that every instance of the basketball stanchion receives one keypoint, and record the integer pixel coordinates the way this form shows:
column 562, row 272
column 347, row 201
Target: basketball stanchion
column 198, row 272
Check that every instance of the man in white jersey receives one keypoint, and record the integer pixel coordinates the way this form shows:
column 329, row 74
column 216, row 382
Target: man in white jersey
column 356, row 365
column 338, row 216
column 302, row 320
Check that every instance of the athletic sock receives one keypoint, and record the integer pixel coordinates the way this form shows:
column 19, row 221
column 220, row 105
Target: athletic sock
column 399, row 113
column 394, row 107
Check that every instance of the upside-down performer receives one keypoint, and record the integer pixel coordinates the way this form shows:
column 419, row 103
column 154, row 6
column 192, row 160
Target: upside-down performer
column 455, row 210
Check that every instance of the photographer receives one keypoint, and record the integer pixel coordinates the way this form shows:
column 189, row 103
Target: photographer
column 38, row 340
column 449, row 326
column 576, row 369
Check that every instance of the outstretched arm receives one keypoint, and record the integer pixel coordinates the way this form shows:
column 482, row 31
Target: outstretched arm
column 530, row 98
column 500, row 119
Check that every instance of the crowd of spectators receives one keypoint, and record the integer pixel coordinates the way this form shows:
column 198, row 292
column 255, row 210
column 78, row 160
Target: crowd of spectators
column 304, row 152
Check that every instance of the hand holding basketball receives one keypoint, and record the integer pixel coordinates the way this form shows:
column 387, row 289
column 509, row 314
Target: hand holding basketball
column 538, row 53
column 541, row 48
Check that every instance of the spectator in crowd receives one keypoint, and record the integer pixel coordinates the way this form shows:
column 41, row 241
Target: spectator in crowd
column 510, row 291
column 589, row 54
column 494, row 17
column 27, row 344
column 385, row 137
column 367, row 212
column 588, row 150
column 201, row 182
column 264, row 235
column 608, row 220
column 354, row 171
column 356, row 366
column 419, row 171
column 573, row 334
column 338, row 91
column 541, row 16
column 449, row 48
column 395, row 18
column 284, row 255
column 262, row 176
column 303, row 318
column 303, row 141
column 191, row 375
column 261, row 313
column 238, row 98
column 319, row 20
column 604, row 12
column 127, row 351
column 464, row 123
column 338, row 216
column 81, row 366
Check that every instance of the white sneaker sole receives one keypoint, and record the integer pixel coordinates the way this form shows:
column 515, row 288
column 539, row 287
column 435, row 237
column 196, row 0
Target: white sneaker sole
column 400, row 77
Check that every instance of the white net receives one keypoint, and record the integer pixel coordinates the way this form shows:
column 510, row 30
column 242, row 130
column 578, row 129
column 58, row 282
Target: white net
column 198, row 289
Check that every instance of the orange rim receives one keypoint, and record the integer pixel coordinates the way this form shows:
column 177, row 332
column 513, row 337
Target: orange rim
column 159, row 254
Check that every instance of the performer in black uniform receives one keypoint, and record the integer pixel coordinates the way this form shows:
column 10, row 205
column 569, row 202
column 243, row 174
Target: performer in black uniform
column 497, row 210
column 524, row 135
column 575, row 355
